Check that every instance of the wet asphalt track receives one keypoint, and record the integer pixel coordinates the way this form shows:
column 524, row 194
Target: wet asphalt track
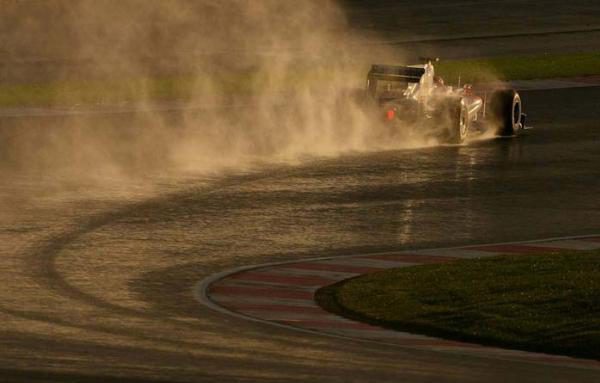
column 452, row 29
column 97, row 278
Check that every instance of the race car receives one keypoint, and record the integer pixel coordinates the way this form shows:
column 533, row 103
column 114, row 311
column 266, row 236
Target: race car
column 414, row 98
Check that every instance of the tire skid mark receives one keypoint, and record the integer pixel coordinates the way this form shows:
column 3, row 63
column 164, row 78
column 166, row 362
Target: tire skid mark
column 42, row 260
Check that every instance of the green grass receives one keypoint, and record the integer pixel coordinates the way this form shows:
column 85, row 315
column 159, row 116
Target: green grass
column 69, row 93
column 546, row 303
column 520, row 68
column 117, row 91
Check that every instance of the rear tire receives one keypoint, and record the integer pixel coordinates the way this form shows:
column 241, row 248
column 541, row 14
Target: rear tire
column 506, row 108
column 459, row 123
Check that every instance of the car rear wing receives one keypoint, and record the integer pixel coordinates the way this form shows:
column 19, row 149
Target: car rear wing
column 396, row 73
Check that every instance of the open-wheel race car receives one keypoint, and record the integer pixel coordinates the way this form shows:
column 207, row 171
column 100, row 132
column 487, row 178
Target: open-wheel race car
column 413, row 98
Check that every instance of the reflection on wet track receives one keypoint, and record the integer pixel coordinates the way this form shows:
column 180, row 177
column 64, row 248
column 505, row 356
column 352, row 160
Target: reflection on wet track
column 97, row 279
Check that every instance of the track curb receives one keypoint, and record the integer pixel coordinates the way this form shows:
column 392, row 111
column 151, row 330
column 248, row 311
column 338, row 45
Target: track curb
column 281, row 294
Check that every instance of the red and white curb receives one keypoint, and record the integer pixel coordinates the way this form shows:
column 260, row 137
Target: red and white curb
column 282, row 294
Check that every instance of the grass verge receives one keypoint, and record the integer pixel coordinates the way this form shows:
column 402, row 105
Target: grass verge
column 223, row 85
column 546, row 303
column 520, row 68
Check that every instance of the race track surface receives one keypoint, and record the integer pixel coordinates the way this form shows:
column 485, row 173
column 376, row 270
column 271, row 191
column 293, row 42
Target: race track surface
column 470, row 28
column 98, row 278
column 449, row 29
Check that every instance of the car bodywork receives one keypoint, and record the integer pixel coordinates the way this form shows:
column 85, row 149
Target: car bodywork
column 412, row 98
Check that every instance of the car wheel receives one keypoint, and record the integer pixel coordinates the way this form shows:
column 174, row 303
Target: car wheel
column 506, row 108
column 459, row 123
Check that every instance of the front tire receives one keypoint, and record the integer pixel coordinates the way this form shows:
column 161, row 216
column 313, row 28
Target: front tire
column 507, row 108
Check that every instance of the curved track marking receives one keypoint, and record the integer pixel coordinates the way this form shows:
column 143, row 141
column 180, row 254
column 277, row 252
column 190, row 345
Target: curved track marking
column 282, row 294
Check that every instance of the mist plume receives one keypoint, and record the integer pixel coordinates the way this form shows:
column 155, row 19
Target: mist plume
column 269, row 80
